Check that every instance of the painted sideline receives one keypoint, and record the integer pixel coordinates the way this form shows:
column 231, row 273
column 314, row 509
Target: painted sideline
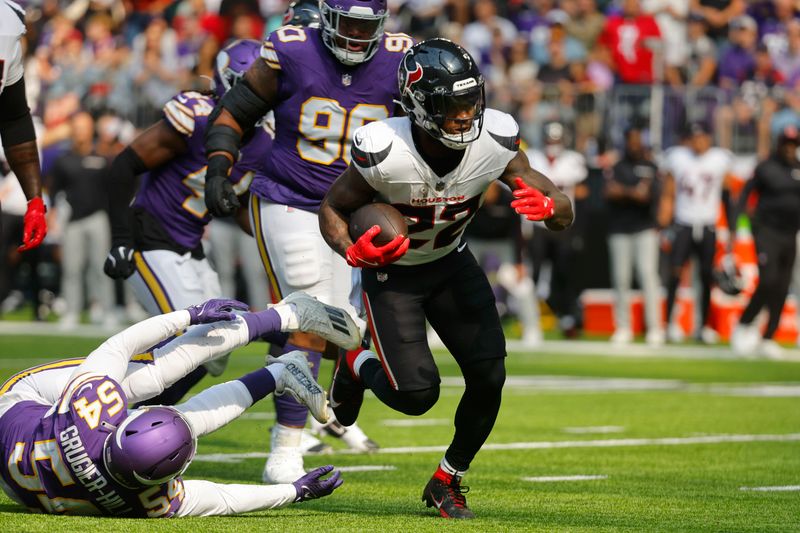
column 577, row 347
column 547, row 479
column 542, row 445
column 782, row 488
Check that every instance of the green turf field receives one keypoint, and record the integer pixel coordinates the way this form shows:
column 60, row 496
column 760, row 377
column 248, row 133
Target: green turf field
column 669, row 444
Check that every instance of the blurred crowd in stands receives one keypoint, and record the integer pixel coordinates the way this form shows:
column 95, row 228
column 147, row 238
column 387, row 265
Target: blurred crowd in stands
column 585, row 63
column 595, row 68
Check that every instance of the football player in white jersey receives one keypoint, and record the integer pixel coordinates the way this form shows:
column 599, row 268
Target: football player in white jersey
column 435, row 169
column 567, row 169
column 16, row 125
column 697, row 183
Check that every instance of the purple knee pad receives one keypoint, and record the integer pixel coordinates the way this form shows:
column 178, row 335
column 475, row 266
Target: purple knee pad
column 288, row 411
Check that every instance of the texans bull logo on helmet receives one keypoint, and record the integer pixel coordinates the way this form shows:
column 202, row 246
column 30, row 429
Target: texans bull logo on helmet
column 412, row 76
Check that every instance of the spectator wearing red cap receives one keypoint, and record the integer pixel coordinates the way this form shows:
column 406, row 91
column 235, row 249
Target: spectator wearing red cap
column 775, row 223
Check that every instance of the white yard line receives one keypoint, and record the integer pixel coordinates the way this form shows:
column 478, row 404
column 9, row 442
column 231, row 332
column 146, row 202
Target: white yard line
column 604, row 348
column 612, row 384
column 593, row 429
column 542, row 445
column 366, row 468
column 547, row 479
column 783, row 488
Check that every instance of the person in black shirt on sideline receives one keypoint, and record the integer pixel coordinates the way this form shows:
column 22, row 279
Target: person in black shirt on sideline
column 631, row 192
column 78, row 186
column 775, row 222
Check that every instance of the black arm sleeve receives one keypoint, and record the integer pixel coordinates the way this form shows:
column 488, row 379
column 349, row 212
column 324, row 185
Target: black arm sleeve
column 126, row 166
column 16, row 125
column 245, row 105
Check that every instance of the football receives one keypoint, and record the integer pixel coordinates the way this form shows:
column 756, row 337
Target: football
column 390, row 220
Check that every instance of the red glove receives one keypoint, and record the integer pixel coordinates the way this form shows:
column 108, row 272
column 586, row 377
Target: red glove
column 35, row 227
column 531, row 202
column 364, row 254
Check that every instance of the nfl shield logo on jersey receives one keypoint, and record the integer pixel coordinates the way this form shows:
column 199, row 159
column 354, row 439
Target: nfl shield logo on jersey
column 347, row 79
column 382, row 276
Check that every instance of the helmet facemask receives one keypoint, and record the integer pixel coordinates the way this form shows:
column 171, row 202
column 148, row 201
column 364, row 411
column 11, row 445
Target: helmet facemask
column 360, row 28
column 228, row 77
column 461, row 118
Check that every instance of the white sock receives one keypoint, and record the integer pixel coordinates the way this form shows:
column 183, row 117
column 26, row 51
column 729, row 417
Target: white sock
column 444, row 465
column 276, row 369
column 288, row 316
column 286, row 436
column 360, row 359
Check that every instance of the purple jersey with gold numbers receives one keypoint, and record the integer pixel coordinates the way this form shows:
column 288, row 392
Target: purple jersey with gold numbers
column 52, row 456
column 321, row 104
column 174, row 193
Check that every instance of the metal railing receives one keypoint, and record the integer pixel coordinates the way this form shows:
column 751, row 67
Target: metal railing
column 663, row 110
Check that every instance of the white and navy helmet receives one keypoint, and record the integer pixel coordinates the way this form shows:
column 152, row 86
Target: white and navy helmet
column 436, row 79
column 302, row 13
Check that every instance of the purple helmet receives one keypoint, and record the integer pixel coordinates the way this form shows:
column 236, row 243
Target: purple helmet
column 232, row 62
column 352, row 29
column 150, row 447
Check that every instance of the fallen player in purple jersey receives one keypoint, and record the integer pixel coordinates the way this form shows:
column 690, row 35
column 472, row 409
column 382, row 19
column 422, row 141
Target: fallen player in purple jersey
column 68, row 443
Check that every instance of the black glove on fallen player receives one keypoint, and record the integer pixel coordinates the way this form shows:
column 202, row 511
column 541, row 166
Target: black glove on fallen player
column 221, row 199
column 119, row 262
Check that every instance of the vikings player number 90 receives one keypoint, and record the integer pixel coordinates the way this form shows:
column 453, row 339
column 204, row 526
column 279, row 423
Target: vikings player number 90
column 398, row 42
column 327, row 128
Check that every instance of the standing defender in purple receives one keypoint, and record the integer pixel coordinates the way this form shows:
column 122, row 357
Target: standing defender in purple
column 322, row 84
column 156, row 237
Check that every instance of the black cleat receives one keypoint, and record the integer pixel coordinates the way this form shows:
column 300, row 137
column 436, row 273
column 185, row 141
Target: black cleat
column 448, row 498
column 346, row 394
